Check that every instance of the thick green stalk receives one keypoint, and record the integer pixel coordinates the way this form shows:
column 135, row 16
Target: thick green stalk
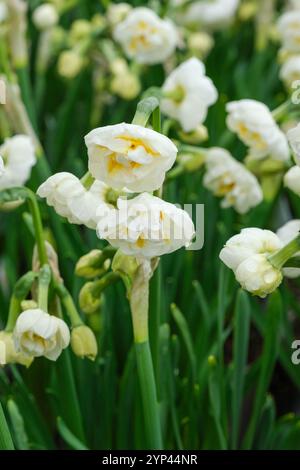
column 69, row 304
column 38, row 227
column 148, row 389
column 44, row 282
column 155, row 319
column 6, row 442
column 144, row 110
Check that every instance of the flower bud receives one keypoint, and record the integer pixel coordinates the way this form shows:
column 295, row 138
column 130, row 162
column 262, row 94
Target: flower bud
column 118, row 12
column 191, row 161
column 198, row 135
column 126, row 86
column 28, row 305
column 80, row 30
column 70, row 63
column 92, row 265
column 90, row 299
column 8, row 353
column 45, row 16
column 200, row 44
column 83, row 342
column 247, row 10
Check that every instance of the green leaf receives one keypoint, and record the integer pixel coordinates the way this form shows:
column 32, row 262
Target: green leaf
column 269, row 356
column 240, row 352
column 69, row 437
column 17, row 423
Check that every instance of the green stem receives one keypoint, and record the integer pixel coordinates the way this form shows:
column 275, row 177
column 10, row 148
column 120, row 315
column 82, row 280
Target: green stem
column 44, row 282
column 281, row 111
column 14, row 310
column 155, row 318
column 38, row 227
column 25, row 86
column 144, row 109
column 279, row 258
column 20, row 292
column 69, row 304
column 6, row 442
column 148, row 389
column 70, row 408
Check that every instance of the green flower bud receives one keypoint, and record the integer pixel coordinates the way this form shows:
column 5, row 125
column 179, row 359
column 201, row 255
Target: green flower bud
column 125, row 266
column 90, row 299
column 191, row 161
column 83, row 342
column 92, row 264
column 198, row 135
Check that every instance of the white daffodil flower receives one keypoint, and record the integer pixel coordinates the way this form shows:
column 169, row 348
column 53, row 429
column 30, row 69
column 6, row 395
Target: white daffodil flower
column 145, row 37
column 293, row 136
column 287, row 233
column 131, row 156
column 290, row 70
column 247, row 255
column 212, row 14
column 228, row 178
column 292, row 179
column 37, row 333
column 188, row 93
column 11, row 356
column 288, row 27
column 70, row 199
column 146, row 226
column 254, row 124
column 45, row 16
column 18, row 157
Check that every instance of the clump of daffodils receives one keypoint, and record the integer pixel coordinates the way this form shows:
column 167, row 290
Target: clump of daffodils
column 254, row 124
column 229, row 179
column 257, row 257
column 187, row 94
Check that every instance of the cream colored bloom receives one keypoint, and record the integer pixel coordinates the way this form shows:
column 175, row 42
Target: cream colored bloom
column 70, row 63
column 188, row 93
column 292, row 179
column 253, row 122
column 213, row 14
column 228, row 178
column 246, row 254
column 117, row 12
column 287, row 233
column 145, row 37
column 11, row 356
column 294, row 140
column 146, row 226
column 290, row 70
column 18, row 157
column 289, row 29
column 70, row 199
column 131, row 156
column 45, row 16
column 38, row 334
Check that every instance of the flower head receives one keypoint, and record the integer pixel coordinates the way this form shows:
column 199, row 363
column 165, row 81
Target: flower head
column 294, row 140
column 254, row 124
column 18, row 158
column 290, row 70
column 247, row 255
column 292, row 179
column 45, row 16
column 145, row 37
column 38, row 334
column 213, row 14
column 10, row 355
column 289, row 30
column 228, row 178
column 188, row 94
column 146, row 226
column 131, row 156
column 70, row 199
column 286, row 233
